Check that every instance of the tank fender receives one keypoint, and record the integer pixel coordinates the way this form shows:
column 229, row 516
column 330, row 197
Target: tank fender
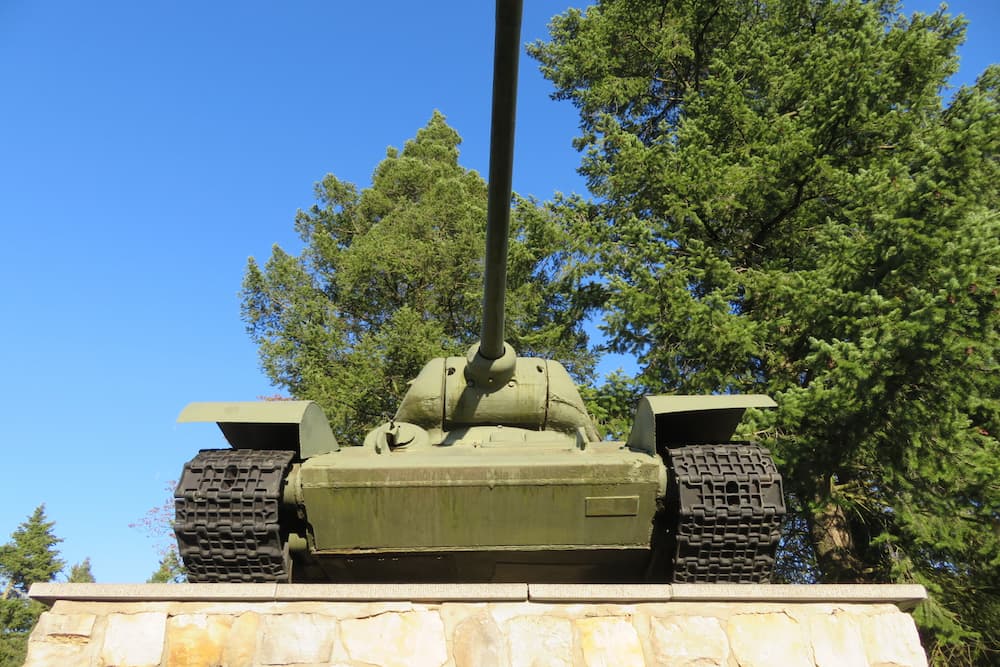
column 677, row 420
column 300, row 426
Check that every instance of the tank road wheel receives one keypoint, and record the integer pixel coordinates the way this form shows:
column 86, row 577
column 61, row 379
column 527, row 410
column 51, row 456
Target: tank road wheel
column 227, row 505
column 724, row 510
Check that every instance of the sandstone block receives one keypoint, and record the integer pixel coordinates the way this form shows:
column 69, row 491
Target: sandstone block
column 764, row 640
column 288, row 639
column 689, row 641
column 609, row 642
column 73, row 628
column 46, row 654
column 540, row 641
column 197, row 640
column 892, row 640
column 134, row 640
column 837, row 641
column 241, row 644
column 408, row 639
column 478, row 642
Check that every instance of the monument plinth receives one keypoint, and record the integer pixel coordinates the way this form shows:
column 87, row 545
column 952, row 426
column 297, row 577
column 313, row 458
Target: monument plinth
column 239, row 625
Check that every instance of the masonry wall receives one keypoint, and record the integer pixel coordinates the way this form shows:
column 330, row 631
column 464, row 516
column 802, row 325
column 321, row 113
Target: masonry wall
column 499, row 625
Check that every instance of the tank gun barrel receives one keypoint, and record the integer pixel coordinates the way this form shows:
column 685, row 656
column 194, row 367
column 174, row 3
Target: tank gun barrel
column 506, row 50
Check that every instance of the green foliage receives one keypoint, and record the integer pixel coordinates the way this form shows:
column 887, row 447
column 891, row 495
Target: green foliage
column 612, row 405
column 170, row 571
column 391, row 276
column 30, row 556
column 80, row 573
column 787, row 205
column 13, row 647
column 17, row 617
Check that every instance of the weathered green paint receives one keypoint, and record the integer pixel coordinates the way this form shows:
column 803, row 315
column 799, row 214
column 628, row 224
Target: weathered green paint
column 612, row 505
column 539, row 395
column 506, row 50
column 517, row 495
column 682, row 419
column 296, row 425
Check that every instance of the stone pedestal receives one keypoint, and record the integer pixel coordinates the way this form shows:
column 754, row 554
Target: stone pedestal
column 474, row 625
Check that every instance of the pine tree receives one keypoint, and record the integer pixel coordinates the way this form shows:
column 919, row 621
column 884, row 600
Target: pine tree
column 787, row 205
column 30, row 556
column 80, row 573
column 391, row 277
column 170, row 570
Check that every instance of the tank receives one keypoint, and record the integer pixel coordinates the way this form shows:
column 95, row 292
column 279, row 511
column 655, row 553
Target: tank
column 491, row 469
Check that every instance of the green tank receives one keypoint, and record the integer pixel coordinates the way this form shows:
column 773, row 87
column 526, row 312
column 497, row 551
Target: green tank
column 490, row 471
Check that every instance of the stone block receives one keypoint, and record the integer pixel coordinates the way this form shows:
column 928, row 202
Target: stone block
column 73, row 628
column 288, row 639
column 408, row 639
column 540, row 641
column 478, row 642
column 892, row 639
column 689, row 641
column 49, row 654
column 609, row 642
column 197, row 640
column 241, row 644
column 454, row 613
column 134, row 640
column 837, row 641
column 765, row 640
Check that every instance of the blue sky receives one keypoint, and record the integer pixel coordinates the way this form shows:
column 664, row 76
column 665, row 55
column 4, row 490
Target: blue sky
column 147, row 149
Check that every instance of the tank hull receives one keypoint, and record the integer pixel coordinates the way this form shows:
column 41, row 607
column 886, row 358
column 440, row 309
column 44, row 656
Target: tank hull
column 495, row 505
column 490, row 497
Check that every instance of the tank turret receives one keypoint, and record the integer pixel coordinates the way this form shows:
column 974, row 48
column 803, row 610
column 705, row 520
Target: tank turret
column 492, row 386
column 491, row 469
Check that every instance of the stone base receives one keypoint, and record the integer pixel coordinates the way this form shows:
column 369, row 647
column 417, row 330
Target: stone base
column 476, row 625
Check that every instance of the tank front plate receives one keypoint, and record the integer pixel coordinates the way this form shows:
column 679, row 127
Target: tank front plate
column 480, row 499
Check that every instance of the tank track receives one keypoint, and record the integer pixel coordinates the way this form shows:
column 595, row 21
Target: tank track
column 728, row 505
column 227, row 505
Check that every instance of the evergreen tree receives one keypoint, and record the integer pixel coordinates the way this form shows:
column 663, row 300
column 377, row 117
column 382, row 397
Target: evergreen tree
column 30, row 556
column 391, row 277
column 786, row 204
column 170, row 570
column 80, row 573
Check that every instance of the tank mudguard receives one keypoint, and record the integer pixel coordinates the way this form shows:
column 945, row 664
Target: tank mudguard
column 299, row 426
column 677, row 420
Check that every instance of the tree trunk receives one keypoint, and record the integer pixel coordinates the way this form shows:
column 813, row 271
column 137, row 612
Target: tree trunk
column 836, row 548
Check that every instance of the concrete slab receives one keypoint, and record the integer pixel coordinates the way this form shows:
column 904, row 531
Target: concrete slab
column 49, row 592
column 904, row 596
column 401, row 592
column 599, row 592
